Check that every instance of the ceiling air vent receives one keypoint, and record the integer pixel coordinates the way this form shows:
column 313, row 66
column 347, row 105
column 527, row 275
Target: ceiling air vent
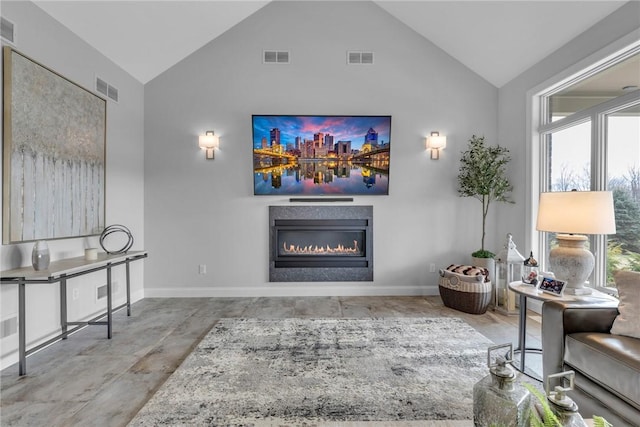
column 275, row 57
column 106, row 89
column 7, row 30
column 359, row 57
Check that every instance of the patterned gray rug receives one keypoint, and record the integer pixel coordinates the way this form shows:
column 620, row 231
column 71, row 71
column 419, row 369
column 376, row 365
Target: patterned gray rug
column 253, row 372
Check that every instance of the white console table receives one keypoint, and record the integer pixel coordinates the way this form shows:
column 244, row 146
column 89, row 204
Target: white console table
column 60, row 271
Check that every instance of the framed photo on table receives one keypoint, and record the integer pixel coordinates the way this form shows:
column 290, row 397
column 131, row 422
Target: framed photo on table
column 552, row 286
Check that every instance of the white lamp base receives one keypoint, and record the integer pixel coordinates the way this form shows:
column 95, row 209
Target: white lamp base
column 572, row 263
column 578, row 291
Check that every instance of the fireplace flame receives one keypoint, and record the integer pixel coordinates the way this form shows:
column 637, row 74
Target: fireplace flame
column 321, row 250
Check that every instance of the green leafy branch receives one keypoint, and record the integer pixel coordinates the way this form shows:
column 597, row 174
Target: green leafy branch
column 541, row 414
column 482, row 175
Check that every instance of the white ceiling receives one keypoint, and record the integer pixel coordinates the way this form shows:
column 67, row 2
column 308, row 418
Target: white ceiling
column 496, row 39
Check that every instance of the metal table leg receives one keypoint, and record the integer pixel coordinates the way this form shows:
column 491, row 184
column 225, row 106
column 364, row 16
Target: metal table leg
column 109, row 302
column 128, row 288
column 522, row 330
column 63, row 306
column 22, row 352
column 522, row 340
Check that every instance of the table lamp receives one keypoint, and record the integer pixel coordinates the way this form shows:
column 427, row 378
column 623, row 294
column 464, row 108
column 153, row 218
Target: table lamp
column 572, row 214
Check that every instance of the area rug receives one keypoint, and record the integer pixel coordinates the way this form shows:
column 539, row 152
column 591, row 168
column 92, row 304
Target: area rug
column 255, row 372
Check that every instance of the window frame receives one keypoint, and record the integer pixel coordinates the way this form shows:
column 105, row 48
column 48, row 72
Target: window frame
column 540, row 126
column 597, row 115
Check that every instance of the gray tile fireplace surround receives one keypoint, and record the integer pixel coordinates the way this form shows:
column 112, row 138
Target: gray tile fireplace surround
column 352, row 219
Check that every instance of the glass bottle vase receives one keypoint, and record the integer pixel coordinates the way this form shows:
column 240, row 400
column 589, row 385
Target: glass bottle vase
column 40, row 257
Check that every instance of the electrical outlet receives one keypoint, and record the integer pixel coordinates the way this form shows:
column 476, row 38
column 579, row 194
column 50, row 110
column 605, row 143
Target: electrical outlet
column 75, row 293
column 202, row 269
column 432, row 268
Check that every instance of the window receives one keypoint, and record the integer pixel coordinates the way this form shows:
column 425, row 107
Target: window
column 569, row 158
column 589, row 139
column 623, row 178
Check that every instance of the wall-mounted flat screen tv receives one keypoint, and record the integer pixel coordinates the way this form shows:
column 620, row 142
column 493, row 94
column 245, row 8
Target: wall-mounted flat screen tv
column 321, row 155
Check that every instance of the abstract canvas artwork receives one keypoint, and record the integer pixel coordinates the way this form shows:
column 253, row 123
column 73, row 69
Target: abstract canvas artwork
column 54, row 154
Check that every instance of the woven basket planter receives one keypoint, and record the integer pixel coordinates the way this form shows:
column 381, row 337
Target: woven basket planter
column 471, row 294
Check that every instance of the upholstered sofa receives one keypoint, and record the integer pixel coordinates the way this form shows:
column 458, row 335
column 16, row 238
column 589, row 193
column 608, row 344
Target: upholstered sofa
column 578, row 336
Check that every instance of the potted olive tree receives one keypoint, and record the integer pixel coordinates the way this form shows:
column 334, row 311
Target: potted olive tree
column 482, row 175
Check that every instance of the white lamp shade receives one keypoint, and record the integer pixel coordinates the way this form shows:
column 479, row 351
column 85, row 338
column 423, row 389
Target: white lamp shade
column 208, row 141
column 577, row 212
column 436, row 142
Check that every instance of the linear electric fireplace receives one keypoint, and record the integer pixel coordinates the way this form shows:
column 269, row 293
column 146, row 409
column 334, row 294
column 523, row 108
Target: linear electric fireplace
column 321, row 243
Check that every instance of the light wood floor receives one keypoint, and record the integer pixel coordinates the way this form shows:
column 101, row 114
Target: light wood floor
column 88, row 380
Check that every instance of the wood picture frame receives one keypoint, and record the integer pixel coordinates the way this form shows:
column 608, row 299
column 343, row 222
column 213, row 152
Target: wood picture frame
column 54, row 154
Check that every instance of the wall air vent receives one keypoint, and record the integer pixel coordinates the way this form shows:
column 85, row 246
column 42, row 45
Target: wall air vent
column 275, row 57
column 359, row 57
column 112, row 93
column 106, row 89
column 8, row 30
column 8, row 327
column 101, row 292
column 102, row 86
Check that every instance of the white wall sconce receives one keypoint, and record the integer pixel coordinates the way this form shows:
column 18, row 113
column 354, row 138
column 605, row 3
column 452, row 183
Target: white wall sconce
column 209, row 142
column 435, row 142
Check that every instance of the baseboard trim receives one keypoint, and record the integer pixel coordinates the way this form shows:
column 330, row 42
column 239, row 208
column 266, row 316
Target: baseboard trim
column 289, row 291
column 137, row 295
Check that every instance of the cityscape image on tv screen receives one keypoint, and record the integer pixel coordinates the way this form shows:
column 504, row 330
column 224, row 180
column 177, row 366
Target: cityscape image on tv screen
column 321, row 155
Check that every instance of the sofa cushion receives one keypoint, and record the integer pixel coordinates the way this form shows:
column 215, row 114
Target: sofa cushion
column 628, row 321
column 611, row 360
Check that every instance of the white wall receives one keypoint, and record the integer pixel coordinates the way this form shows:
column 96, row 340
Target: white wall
column 46, row 41
column 204, row 212
column 512, row 113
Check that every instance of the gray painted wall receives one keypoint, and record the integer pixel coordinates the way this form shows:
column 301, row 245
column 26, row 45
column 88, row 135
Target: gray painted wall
column 200, row 211
column 48, row 42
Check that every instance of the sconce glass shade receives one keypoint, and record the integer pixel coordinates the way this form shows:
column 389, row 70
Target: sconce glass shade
column 574, row 213
column 209, row 142
column 435, row 142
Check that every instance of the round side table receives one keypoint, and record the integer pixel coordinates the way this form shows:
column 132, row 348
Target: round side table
column 526, row 291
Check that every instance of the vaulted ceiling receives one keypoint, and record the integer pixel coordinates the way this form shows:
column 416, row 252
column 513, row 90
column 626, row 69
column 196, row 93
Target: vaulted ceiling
column 496, row 39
